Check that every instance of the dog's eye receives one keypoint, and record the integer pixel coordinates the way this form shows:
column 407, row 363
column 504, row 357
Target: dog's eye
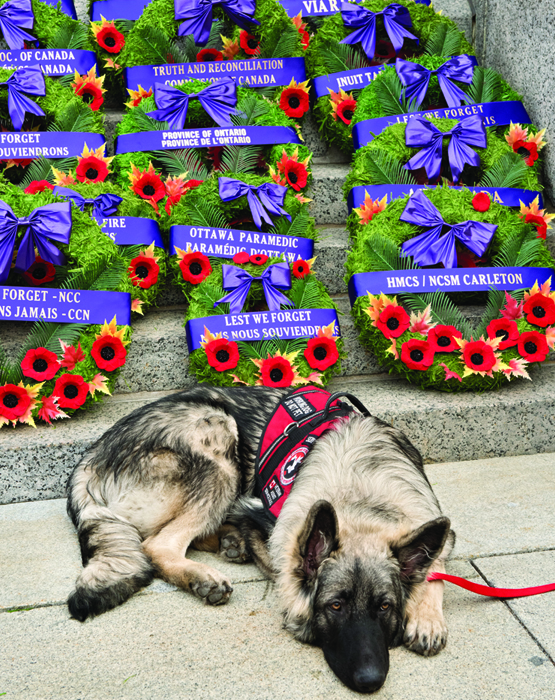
column 336, row 605
column 384, row 607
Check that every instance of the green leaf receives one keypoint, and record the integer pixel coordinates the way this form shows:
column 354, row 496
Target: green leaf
column 182, row 161
column 240, row 159
column 203, row 213
column 77, row 116
column 41, row 169
column 389, row 91
column 155, row 44
column 383, row 168
column 70, row 35
column 443, row 310
column 384, row 254
column 251, row 108
column 286, row 45
column 508, row 171
column 305, row 293
column 297, row 227
column 445, row 40
column 341, row 57
column 142, row 122
column 485, row 86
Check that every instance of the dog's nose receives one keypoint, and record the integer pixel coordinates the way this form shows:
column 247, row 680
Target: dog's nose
column 368, row 680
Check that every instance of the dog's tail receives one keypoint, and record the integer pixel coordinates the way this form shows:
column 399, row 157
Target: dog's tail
column 111, row 549
column 256, row 525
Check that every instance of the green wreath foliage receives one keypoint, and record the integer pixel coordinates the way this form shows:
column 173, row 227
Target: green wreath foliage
column 382, row 162
column 378, row 247
column 305, row 293
column 203, row 207
column 93, row 262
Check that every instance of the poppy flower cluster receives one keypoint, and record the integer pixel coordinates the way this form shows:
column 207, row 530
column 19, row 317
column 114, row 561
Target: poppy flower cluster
column 294, row 99
column 342, row 106
column 137, row 96
column 538, row 217
column 107, row 36
column 249, row 43
column 301, row 27
column 194, row 266
column 209, row 55
column 40, row 272
column 221, row 354
column 291, row 171
column 321, row 352
column 526, row 145
column 302, row 268
column 144, row 269
column 89, row 88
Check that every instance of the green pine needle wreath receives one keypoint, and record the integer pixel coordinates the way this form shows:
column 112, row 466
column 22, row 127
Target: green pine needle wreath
column 203, row 207
column 93, row 262
column 378, row 247
column 305, row 293
column 381, row 162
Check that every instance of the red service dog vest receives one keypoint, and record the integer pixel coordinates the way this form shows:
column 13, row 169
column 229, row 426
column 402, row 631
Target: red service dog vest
column 298, row 421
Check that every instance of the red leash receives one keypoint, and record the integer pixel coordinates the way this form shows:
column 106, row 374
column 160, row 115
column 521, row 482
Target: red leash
column 490, row 590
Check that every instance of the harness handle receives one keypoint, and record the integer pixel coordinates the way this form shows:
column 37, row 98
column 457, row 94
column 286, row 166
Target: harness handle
column 353, row 399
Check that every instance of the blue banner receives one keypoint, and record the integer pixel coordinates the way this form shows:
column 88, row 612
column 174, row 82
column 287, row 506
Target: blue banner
column 492, row 113
column 508, row 196
column 226, row 242
column 64, row 305
column 47, row 144
column 285, row 324
column 204, row 138
column 66, row 6
column 458, row 279
column 118, row 9
column 314, row 8
column 52, row 62
column 132, row 230
column 252, row 72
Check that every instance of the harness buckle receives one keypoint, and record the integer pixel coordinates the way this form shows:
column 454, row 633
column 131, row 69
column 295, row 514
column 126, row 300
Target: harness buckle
column 286, row 429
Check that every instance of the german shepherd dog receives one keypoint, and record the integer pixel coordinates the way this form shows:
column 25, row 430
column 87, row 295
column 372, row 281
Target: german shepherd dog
column 349, row 553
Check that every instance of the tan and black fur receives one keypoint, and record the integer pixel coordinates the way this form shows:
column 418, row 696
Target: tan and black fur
column 350, row 575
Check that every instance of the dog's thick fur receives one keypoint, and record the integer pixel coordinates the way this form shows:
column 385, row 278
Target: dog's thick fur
column 350, row 575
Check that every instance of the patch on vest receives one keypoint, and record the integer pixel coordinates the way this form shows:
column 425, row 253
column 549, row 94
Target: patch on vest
column 298, row 407
column 272, row 492
column 291, row 466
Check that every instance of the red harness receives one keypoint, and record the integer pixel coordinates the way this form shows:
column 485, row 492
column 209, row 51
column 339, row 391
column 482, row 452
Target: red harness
column 299, row 420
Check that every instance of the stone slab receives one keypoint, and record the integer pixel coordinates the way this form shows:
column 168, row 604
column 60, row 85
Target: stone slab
column 171, row 646
column 460, row 11
column 326, row 192
column 498, row 506
column 520, row 571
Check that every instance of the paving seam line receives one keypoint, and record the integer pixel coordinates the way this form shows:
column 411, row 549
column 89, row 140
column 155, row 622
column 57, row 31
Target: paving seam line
column 509, row 553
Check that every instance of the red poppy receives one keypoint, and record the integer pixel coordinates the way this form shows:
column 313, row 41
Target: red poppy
column 321, row 353
column 108, row 352
column 14, row 401
column 301, row 268
column 110, row 39
column 277, row 372
column 143, row 271
column 38, row 186
column 40, row 364
column 417, row 354
column 241, row 258
column 294, row 101
column 91, row 169
column 481, row 201
column 393, row 321
column 71, row 391
column 215, row 155
column 90, row 91
column 539, row 222
column 505, row 329
column 527, row 149
column 442, row 338
column 40, row 272
column 295, row 173
column 533, row 346
column 209, row 55
column 385, row 51
column 222, row 354
column 249, row 43
column 540, row 310
column 345, row 110
column 479, row 356
column 195, row 267
column 148, row 185
column 305, row 40
column 258, row 259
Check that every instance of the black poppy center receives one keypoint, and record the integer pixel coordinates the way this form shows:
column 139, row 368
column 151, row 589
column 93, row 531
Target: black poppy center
column 88, row 97
column 292, row 177
column 416, row 355
column 149, row 190
column 294, row 102
column 39, row 273
column 91, row 174
column 392, row 323
column 107, row 353
column 10, row 400
column 110, row 41
column 276, row 375
column 71, row 391
column 538, row 311
column 195, row 268
column 523, row 151
column 40, row 365
column 348, row 114
column 222, row 356
column 531, row 347
column 320, row 353
column 208, row 57
column 252, row 43
column 141, row 271
column 477, row 359
column 503, row 334
column 443, row 341
column 300, row 269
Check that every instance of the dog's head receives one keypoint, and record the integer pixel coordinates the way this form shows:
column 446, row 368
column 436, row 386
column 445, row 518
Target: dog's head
column 356, row 603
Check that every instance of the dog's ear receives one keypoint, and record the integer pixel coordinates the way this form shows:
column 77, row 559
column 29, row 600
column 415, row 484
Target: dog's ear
column 417, row 551
column 318, row 538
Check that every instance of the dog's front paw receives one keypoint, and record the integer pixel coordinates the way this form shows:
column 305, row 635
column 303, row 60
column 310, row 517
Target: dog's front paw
column 212, row 590
column 232, row 548
column 427, row 637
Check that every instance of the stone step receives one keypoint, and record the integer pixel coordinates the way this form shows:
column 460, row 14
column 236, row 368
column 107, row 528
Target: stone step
column 35, row 463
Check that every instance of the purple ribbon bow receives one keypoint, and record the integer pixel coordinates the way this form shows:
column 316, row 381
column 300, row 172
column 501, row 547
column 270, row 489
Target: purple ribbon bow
column 218, row 99
column 14, row 15
column 438, row 244
column 268, row 196
column 30, row 80
column 421, row 133
column 239, row 282
column 104, row 205
column 198, row 16
column 363, row 21
column 416, row 79
column 52, row 221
